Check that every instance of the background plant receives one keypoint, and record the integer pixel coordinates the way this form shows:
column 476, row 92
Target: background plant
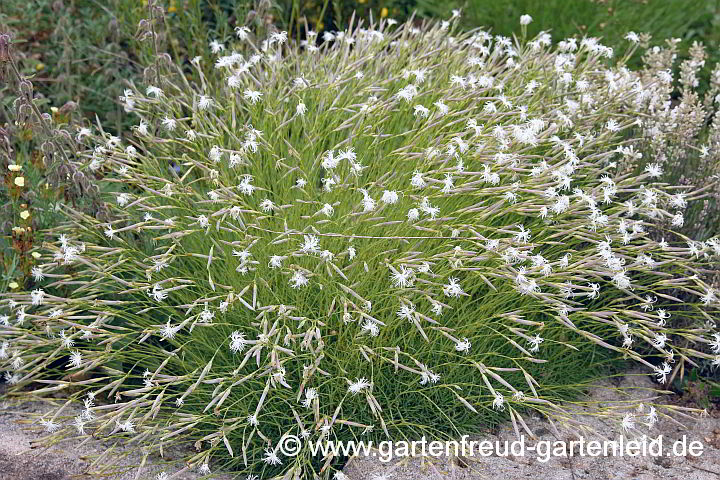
column 38, row 161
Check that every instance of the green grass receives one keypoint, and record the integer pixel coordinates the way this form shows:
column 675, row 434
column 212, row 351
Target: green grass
column 531, row 135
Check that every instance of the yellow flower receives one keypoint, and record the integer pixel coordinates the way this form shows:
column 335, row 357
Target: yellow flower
column 24, row 214
column 40, row 66
column 20, row 181
column 384, row 12
column 13, row 285
column 172, row 9
column 14, row 168
column 362, row 1
column 36, row 255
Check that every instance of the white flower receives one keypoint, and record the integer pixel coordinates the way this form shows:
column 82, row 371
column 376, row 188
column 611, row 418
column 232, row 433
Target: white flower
column 327, row 210
column 37, row 274
column 651, row 418
column 421, row 111
column 279, row 37
column 371, row 327
column 155, row 91
column 389, row 196
column 406, row 312
column 525, row 19
column 413, row 214
column 498, row 402
column 142, row 128
column 122, row 199
column 407, row 93
column 82, row 133
column 628, row 422
column 245, row 186
column 310, row 395
column 612, row 125
column 301, row 109
column 50, row 426
column 271, row 457
column 276, row 261
column 622, row 281
column 76, row 359
column 216, row 47
column 158, row 294
column 358, row 385
column 205, row 102
column 654, row 170
column 417, row 180
column 368, row 204
column 298, row 280
column 126, row 426
column 252, row 95
column 535, row 343
column 79, row 424
column 311, row 244
column 37, row 296
column 243, row 33
column 448, row 183
column 206, row 315
column 403, row 278
column 659, row 340
column 267, row 205
column 463, row 346
column 442, row 108
column 662, row 372
column 168, row 331
column 453, row 289
column 237, row 342
column 169, row 123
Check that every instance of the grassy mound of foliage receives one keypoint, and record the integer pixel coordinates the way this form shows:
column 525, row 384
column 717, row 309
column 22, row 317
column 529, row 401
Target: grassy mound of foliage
column 400, row 231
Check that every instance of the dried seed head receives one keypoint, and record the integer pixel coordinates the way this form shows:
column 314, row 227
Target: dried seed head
column 164, row 58
column 26, row 87
column 68, row 107
column 4, row 48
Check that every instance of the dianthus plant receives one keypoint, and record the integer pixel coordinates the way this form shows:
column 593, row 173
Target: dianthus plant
column 395, row 232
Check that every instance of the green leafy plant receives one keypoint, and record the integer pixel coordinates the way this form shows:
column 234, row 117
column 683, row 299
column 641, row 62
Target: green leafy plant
column 405, row 230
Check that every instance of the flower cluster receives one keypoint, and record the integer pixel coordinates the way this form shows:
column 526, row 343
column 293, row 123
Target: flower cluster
column 311, row 239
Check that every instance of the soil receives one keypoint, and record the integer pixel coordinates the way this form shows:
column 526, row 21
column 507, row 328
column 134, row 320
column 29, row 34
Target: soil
column 22, row 457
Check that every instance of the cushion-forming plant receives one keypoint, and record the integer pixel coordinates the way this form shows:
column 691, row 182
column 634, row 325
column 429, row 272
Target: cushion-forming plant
column 399, row 231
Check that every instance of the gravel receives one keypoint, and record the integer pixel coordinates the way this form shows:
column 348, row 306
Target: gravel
column 21, row 457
